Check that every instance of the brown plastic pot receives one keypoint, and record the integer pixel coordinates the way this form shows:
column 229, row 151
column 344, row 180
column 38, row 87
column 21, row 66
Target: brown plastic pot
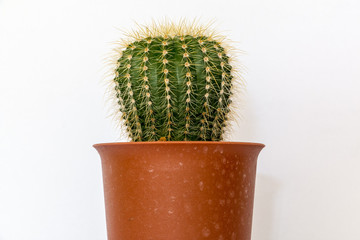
column 179, row 190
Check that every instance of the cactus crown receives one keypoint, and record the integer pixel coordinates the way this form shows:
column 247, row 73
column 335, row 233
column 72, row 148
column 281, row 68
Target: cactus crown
column 174, row 82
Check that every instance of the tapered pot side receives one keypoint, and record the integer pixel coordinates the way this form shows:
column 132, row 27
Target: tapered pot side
column 179, row 190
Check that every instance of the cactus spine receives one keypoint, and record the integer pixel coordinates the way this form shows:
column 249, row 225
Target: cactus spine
column 175, row 87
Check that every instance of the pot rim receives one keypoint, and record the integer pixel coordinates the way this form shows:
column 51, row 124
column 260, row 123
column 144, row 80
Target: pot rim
column 179, row 142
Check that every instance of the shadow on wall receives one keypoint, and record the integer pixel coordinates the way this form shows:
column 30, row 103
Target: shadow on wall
column 264, row 208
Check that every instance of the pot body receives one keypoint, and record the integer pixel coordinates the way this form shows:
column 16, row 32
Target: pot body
column 179, row 190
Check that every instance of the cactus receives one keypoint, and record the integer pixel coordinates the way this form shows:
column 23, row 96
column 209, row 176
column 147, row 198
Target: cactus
column 174, row 85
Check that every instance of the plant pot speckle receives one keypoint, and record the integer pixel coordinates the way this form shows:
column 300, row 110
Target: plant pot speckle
column 179, row 190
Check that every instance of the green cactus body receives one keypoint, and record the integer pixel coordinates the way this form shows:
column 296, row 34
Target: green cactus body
column 177, row 88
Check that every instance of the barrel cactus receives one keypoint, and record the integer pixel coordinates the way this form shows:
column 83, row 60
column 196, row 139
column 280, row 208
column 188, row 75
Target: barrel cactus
column 174, row 82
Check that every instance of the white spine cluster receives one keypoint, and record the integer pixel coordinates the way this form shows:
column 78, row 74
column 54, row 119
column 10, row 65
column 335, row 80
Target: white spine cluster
column 166, row 72
column 216, row 129
column 188, row 82
column 208, row 85
column 145, row 92
column 131, row 101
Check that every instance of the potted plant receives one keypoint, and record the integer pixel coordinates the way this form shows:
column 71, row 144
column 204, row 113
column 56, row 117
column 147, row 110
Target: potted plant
column 177, row 179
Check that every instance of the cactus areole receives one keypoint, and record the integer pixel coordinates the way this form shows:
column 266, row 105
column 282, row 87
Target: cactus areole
column 174, row 86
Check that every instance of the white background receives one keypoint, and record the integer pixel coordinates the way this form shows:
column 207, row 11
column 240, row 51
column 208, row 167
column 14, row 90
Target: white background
column 303, row 102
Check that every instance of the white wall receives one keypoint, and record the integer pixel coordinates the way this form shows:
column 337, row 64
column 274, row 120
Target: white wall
column 303, row 102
